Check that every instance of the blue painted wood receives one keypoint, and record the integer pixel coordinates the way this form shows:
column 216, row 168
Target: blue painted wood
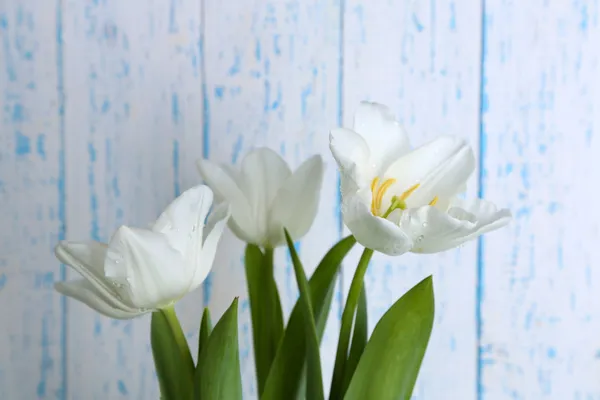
column 539, row 313
column 32, row 201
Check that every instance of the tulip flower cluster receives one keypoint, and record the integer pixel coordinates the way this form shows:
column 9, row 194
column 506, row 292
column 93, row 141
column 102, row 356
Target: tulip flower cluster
column 394, row 200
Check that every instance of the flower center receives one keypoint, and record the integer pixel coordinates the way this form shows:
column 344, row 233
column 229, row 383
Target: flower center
column 378, row 192
column 398, row 202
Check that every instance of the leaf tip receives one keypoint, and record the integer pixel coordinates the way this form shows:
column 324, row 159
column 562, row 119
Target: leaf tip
column 233, row 308
column 428, row 281
column 426, row 286
column 424, row 289
column 287, row 235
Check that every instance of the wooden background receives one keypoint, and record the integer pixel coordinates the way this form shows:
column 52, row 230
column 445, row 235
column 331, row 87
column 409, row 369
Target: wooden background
column 105, row 105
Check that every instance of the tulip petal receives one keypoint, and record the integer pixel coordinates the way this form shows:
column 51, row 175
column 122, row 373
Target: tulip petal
column 87, row 258
column 385, row 137
column 183, row 222
column 184, row 218
column 441, row 168
column 297, row 202
column 213, row 231
column 434, row 230
column 374, row 232
column 352, row 154
column 234, row 174
column 446, row 181
column 264, row 172
column 152, row 272
column 88, row 294
column 227, row 187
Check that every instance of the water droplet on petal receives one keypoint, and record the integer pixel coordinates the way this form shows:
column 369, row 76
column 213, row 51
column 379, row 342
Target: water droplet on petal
column 193, row 228
column 420, row 238
column 425, row 224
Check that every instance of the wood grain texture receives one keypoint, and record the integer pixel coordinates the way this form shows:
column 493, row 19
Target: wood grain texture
column 133, row 94
column 31, row 202
column 272, row 76
column 422, row 60
column 540, row 307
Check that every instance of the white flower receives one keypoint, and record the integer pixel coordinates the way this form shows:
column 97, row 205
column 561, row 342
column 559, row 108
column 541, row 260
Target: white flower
column 140, row 270
column 265, row 195
column 396, row 199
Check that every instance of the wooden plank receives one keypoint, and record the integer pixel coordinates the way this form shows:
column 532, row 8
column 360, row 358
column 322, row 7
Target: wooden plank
column 32, row 201
column 132, row 116
column 540, row 144
column 422, row 60
column 272, row 75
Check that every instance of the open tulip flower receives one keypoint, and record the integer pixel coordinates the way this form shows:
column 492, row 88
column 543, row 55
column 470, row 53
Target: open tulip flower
column 396, row 199
column 265, row 195
column 140, row 270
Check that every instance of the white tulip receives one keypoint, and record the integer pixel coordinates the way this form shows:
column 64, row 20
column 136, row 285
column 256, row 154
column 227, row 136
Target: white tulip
column 265, row 195
column 395, row 199
column 140, row 270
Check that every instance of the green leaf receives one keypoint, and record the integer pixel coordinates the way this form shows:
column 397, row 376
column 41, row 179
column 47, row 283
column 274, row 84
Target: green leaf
column 182, row 344
column 265, row 307
column 276, row 310
column 285, row 378
column 205, row 328
column 359, row 338
column 218, row 373
column 391, row 361
column 341, row 355
column 314, row 381
column 174, row 374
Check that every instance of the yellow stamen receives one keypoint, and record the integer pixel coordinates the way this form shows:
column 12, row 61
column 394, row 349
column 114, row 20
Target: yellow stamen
column 434, row 201
column 382, row 189
column 408, row 192
column 374, row 184
column 378, row 191
column 374, row 194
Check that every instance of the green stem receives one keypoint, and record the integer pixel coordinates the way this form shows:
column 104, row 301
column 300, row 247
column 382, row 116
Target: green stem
column 171, row 317
column 265, row 308
column 274, row 302
column 341, row 356
column 269, row 255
